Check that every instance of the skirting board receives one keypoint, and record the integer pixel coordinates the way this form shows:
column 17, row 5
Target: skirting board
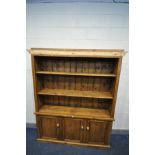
column 114, row 131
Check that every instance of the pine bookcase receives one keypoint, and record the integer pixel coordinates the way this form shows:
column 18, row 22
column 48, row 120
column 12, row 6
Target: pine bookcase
column 75, row 94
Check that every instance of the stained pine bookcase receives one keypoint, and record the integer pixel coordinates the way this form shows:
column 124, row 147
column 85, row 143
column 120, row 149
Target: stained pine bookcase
column 75, row 94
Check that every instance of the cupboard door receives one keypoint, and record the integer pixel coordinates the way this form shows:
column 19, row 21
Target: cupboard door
column 96, row 132
column 49, row 127
column 73, row 129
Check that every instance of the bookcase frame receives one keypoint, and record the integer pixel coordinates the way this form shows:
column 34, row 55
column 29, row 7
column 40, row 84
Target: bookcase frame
column 75, row 93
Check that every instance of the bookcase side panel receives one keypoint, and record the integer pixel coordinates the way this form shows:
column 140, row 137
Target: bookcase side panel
column 116, row 84
column 33, row 62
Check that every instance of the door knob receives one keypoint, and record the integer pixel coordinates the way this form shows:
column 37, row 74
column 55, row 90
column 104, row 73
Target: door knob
column 57, row 124
column 87, row 128
column 82, row 127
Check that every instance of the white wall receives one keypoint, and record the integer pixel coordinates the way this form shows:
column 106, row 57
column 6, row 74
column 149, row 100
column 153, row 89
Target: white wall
column 80, row 25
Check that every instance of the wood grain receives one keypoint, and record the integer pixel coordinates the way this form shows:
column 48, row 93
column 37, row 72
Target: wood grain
column 74, row 112
column 100, row 146
column 115, row 89
column 75, row 93
column 95, row 53
column 75, row 74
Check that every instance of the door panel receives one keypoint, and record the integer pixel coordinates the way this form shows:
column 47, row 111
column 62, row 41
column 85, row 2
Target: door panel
column 73, row 129
column 48, row 127
column 95, row 131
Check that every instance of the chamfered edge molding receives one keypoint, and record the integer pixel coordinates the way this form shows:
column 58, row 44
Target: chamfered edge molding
column 77, row 52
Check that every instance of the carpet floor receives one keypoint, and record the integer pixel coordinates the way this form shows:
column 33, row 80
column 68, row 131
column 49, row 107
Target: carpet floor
column 119, row 146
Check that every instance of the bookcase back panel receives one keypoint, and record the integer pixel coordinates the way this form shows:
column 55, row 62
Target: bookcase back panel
column 101, row 84
column 76, row 102
column 76, row 65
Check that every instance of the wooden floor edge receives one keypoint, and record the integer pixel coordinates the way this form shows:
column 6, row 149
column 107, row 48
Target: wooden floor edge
column 73, row 143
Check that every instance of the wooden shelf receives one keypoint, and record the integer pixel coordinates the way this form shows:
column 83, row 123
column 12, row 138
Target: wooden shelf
column 74, row 112
column 76, row 93
column 76, row 74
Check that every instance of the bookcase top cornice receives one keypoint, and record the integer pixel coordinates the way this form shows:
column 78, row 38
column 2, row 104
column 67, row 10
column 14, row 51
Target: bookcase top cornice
column 97, row 53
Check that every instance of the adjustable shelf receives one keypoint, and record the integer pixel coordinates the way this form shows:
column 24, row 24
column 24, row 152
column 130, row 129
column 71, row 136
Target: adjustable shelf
column 76, row 93
column 75, row 74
